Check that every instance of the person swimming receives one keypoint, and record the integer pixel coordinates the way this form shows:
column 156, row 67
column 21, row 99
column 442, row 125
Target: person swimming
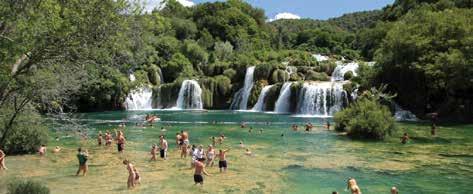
column 394, row 190
column 57, row 149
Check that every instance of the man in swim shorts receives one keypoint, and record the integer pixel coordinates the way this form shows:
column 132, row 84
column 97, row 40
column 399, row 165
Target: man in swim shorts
column 222, row 163
column 163, row 147
column 199, row 170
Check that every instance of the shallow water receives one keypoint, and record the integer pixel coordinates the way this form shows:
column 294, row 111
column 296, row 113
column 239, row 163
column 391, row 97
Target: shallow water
column 297, row 162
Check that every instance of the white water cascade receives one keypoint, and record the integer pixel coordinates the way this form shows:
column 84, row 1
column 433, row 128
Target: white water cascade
column 283, row 104
column 190, row 96
column 240, row 99
column 321, row 98
column 339, row 72
column 320, row 58
column 260, row 104
column 139, row 99
column 403, row 115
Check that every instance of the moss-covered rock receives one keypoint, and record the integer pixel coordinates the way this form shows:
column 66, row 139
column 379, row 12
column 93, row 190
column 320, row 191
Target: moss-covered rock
column 216, row 92
column 327, row 66
column 255, row 92
column 165, row 95
column 263, row 71
column 272, row 97
column 295, row 77
column 230, row 73
column 279, row 76
column 315, row 76
column 348, row 75
column 154, row 74
column 295, row 93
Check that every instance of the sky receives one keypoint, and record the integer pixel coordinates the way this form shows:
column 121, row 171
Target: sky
column 295, row 9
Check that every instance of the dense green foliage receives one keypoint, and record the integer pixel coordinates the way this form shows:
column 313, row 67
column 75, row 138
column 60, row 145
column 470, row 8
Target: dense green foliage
column 27, row 186
column 366, row 118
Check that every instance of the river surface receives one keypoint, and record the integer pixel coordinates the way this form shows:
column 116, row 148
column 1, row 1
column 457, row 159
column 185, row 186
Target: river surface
column 284, row 161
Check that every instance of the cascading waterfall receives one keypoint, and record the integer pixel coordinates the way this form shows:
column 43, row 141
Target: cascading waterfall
column 320, row 58
column 240, row 99
column 260, row 104
column 283, row 102
column 339, row 72
column 190, row 96
column 403, row 115
column 139, row 99
column 321, row 98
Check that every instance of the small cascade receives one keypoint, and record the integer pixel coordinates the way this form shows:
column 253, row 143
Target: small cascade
column 240, row 99
column 139, row 99
column 339, row 72
column 260, row 104
column 320, row 57
column 190, row 96
column 321, row 98
column 403, row 115
column 283, row 104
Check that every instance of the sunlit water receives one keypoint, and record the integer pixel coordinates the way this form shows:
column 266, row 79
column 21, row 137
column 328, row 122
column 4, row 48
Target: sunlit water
column 284, row 161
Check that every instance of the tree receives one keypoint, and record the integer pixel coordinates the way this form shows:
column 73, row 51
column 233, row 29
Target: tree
column 223, row 50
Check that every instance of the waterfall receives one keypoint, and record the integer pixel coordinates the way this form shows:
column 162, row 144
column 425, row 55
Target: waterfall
column 403, row 115
column 320, row 58
column 321, row 98
column 283, row 104
column 139, row 99
column 260, row 104
column 240, row 99
column 189, row 95
column 339, row 72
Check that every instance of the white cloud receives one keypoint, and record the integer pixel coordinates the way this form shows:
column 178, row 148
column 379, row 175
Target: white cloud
column 285, row 15
column 149, row 5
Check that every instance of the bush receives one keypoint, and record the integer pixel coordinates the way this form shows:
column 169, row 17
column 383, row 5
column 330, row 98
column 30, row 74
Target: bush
column 26, row 135
column 27, row 186
column 348, row 75
column 365, row 119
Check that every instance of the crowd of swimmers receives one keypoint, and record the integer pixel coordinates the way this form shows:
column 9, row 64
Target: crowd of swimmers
column 200, row 157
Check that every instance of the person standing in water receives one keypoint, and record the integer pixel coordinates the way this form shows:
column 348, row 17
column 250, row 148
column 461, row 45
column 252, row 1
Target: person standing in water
column 185, row 138
column 154, row 151
column 42, row 150
column 120, row 141
column 328, row 125
column 2, row 160
column 82, row 157
column 222, row 163
column 178, row 141
column 353, row 187
column 404, row 138
column 394, row 190
column 131, row 174
column 163, row 147
column 199, row 170
column 108, row 139
column 210, row 156
column 99, row 138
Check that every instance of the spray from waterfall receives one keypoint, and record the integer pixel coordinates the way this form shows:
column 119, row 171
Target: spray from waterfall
column 139, row 99
column 341, row 69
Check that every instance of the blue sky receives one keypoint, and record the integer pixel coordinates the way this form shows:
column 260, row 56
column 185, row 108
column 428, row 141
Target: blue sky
column 315, row 9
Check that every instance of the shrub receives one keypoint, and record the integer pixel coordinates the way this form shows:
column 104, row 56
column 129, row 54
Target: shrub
column 26, row 135
column 27, row 186
column 365, row 119
column 348, row 75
